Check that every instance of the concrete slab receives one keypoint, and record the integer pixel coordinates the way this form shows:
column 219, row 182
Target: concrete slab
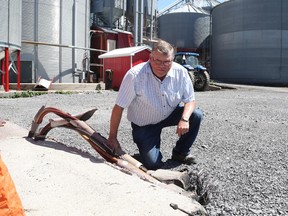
column 52, row 179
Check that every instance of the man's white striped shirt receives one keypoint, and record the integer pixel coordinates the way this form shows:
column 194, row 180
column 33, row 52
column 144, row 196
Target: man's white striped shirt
column 150, row 100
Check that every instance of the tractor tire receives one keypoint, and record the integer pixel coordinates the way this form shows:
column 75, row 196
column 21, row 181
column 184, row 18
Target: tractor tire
column 202, row 80
column 192, row 78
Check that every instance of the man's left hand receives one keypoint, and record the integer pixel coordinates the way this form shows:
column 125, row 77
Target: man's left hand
column 182, row 128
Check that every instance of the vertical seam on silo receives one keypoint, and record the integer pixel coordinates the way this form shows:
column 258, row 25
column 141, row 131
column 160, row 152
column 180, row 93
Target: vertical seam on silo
column 8, row 24
column 35, row 39
column 60, row 40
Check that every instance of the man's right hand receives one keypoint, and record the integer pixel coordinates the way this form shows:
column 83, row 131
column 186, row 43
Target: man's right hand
column 113, row 144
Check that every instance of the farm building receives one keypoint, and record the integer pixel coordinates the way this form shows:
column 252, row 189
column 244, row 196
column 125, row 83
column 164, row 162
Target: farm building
column 118, row 61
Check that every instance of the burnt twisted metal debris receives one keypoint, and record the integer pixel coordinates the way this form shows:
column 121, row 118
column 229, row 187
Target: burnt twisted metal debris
column 163, row 178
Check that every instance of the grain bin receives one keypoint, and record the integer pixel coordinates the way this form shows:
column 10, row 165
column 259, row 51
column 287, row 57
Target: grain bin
column 10, row 31
column 250, row 42
column 107, row 12
column 186, row 28
column 10, row 40
column 141, row 20
column 149, row 9
column 51, row 31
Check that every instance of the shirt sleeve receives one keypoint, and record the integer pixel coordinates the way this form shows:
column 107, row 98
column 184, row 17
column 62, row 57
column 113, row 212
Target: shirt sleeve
column 188, row 94
column 126, row 92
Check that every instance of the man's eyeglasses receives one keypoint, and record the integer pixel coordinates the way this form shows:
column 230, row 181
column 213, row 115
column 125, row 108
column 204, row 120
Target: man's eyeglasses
column 159, row 62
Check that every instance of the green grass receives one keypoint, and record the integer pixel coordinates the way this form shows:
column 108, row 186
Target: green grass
column 25, row 94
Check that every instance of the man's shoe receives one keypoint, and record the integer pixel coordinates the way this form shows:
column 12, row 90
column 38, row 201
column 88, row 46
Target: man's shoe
column 185, row 159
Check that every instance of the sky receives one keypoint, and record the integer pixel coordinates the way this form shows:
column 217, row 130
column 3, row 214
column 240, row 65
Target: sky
column 164, row 3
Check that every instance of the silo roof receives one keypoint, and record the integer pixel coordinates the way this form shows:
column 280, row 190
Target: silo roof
column 203, row 6
column 189, row 8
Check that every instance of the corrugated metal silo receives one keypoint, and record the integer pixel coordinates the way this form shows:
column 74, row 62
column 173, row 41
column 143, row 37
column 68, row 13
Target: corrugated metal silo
column 10, row 30
column 185, row 29
column 62, row 24
column 147, row 23
column 10, row 42
column 107, row 12
column 250, row 42
column 149, row 8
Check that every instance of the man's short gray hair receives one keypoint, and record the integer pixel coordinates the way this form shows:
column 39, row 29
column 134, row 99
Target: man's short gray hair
column 163, row 47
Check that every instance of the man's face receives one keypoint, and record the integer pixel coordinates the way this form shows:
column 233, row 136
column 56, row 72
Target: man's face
column 160, row 63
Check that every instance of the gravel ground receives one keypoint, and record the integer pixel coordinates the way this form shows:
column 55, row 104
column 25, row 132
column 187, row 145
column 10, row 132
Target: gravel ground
column 241, row 148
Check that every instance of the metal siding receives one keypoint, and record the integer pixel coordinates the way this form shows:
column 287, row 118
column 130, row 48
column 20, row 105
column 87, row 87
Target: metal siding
column 284, row 60
column 10, row 31
column 29, row 52
column 97, row 6
column 184, row 30
column 15, row 23
column 65, row 38
column 147, row 6
column 108, row 10
column 248, row 42
column 52, row 22
column 48, row 31
column 28, row 20
column 4, row 24
column 81, row 30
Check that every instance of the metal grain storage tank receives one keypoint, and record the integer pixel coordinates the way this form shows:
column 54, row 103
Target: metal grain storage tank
column 107, row 12
column 250, row 42
column 149, row 9
column 185, row 29
column 145, row 26
column 60, row 25
column 10, row 30
column 10, row 38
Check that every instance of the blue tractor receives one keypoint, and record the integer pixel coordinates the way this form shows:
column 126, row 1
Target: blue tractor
column 197, row 73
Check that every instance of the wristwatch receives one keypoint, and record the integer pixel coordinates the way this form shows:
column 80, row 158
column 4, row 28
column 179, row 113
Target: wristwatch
column 185, row 119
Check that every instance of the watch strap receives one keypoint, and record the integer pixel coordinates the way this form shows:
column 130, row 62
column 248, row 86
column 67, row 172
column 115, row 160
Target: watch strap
column 184, row 119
